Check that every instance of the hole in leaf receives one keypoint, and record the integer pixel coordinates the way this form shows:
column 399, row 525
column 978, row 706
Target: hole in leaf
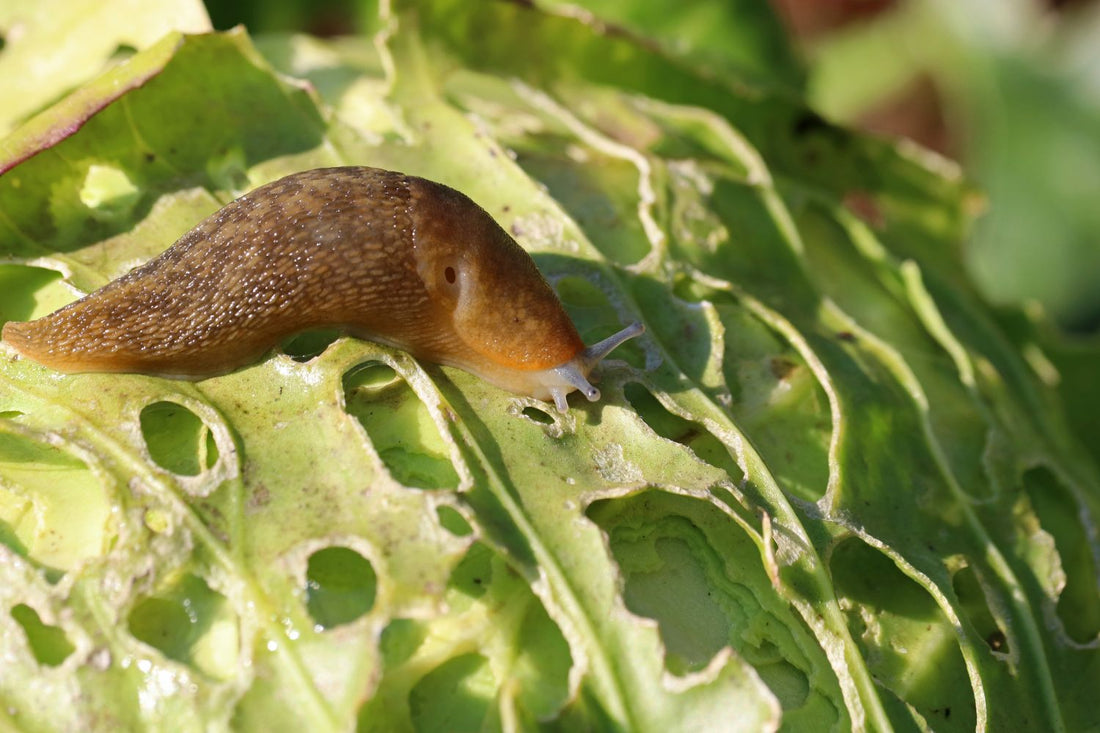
column 910, row 646
column 786, row 681
column 122, row 52
column 540, row 660
column 178, row 440
column 688, row 328
column 400, row 640
column 542, row 666
column 664, row 580
column 8, row 536
column 190, row 623
column 108, row 192
column 976, row 609
column 453, row 521
column 473, row 574
column 489, row 607
column 28, row 292
column 455, row 696
column 309, row 344
column 399, row 426
column 53, row 509
column 683, row 564
column 777, row 402
column 694, row 626
column 1079, row 602
column 164, row 624
column 685, row 432
column 370, row 376
column 340, row 586
column 539, row 416
column 398, row 643
column 49, row 644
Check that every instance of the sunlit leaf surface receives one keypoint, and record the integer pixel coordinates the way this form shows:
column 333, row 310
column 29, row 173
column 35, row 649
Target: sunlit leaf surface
column 825, row 491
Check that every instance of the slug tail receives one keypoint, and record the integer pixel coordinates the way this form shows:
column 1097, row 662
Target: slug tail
column 19, row 335
column 34, row 340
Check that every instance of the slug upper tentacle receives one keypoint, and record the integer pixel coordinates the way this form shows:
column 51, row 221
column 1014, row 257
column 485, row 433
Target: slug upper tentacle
column 389, row 257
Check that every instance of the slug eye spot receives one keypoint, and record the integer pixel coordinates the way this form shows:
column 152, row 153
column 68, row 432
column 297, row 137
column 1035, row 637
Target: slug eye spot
column 453, row 279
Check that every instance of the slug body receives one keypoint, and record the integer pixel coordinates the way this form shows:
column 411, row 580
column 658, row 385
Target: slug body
column 389, row 257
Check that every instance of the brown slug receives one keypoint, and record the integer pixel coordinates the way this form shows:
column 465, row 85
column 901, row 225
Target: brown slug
column 393, row 258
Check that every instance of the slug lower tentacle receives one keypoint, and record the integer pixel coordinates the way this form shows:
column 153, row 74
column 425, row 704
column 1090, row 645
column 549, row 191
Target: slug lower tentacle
column 389, row 257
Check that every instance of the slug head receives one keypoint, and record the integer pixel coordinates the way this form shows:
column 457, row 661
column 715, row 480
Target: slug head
column 558, row 382
column 489, row 292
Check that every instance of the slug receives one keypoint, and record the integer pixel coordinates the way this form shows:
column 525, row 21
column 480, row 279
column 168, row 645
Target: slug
column 389, row 257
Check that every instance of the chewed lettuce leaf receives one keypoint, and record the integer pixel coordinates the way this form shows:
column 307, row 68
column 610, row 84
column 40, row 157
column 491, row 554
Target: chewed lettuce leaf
column 827, row 490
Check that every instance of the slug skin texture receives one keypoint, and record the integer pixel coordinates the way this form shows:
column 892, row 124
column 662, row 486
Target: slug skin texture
column 388, row 257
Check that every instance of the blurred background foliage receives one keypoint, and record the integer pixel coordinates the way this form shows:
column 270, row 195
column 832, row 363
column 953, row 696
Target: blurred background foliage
column 1011, row 89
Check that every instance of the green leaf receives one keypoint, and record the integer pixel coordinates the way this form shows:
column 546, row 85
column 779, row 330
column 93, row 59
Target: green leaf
column 731, row 39
column 48, row 50
column 828, row 489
